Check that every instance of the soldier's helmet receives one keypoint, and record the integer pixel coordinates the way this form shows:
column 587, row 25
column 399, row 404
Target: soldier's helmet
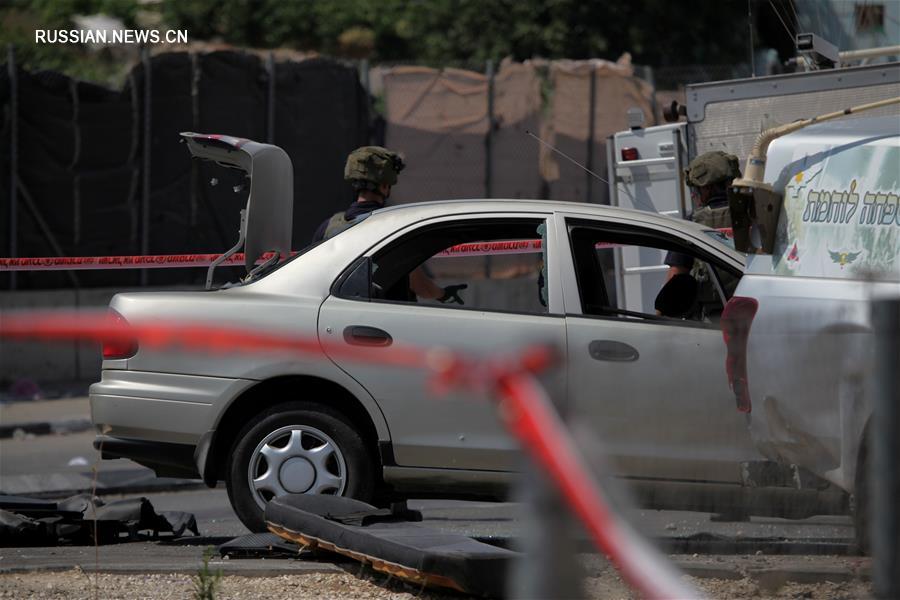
column 711, row 168
column 369, row 166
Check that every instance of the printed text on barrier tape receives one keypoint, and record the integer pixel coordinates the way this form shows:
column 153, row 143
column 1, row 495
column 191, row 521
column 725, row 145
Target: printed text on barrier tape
column 164, row 261
column 171, row 261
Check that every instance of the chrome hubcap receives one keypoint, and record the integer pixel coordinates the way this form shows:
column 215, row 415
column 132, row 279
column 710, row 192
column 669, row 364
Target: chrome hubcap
column 296, row 459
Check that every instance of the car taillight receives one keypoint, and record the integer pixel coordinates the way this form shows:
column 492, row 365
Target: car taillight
column 119, row 345
column 630, row 154
column 736, row 320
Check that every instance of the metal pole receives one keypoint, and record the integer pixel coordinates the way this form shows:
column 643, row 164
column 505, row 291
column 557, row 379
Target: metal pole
column 13, row 158
column 270, row 106
column 132, row 163
column 488, row 141
column 592, row 99
column 883, row 477
column 750, row 26
column 76, row 156
column 42, row 225
column 145, row 197
column 649, row 77
column 364, row 77
column 195, row 126
column 547, row 567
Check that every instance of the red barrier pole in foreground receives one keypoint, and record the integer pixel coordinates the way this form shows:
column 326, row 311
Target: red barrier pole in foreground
column 524, row 408
column 526, row 412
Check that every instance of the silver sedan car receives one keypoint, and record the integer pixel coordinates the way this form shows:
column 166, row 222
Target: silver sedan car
column 652, row 388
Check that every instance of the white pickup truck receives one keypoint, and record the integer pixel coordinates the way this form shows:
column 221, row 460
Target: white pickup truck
column 798, row 328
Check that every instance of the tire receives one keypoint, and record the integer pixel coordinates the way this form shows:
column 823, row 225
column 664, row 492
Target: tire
column 292, row 448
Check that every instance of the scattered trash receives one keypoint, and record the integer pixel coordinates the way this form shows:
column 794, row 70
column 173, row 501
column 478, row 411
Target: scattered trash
column 25, row 389
column 77, row 461
column 82, row 519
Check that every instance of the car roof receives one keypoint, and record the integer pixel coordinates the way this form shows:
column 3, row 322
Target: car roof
column 431, row 208
column 437, row 208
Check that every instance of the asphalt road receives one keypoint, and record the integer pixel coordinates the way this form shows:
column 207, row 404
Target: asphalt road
column 66, row 459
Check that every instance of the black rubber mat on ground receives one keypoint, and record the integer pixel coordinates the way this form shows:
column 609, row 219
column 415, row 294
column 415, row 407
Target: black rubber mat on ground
column 391, row 544
column 259, row 545
column 83, row 519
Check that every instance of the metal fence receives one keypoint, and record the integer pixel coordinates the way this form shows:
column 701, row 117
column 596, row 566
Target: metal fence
column 144, row 197
column 93, row 171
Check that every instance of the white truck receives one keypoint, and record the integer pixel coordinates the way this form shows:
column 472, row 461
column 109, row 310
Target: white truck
column 803, row 350
column 646, row 165
column 798, row 329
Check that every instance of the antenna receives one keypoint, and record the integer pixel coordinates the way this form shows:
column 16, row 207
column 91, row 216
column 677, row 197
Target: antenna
column 578, row 164
column 567, row 157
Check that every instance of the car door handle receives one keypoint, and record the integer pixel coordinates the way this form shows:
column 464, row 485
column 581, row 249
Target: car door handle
column 361, row 335
column 613, row 351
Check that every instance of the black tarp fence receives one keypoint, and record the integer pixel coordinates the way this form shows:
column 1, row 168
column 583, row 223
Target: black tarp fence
column 81, row 158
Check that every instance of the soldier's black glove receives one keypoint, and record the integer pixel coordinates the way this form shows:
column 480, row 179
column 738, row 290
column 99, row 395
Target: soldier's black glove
column 451, row 293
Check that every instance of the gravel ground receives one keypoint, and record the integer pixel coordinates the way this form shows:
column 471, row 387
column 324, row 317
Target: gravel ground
column 73, row 584
column 362, row 586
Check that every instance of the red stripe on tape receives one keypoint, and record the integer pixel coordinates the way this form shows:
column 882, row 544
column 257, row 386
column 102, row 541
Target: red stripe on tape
column 161, row 261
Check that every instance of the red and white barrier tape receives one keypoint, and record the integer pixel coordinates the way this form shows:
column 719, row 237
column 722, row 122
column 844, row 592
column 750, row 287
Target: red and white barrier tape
column 171, row 261
column 492, row 248
column 524, row 407
column 161, row 261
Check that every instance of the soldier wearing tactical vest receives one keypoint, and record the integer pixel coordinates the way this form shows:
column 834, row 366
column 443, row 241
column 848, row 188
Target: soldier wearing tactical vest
column 372, row 171
column 708, row 177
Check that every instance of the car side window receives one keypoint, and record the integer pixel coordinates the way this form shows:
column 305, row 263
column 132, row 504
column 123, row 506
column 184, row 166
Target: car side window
column 633, row 275
column 487, row 264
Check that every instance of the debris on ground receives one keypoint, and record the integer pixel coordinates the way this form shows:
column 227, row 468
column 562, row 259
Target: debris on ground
column 389, row 542
column 83, row 519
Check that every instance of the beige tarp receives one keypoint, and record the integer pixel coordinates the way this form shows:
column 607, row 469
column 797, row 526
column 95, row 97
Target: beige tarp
column 568, row 124
column 439, row 120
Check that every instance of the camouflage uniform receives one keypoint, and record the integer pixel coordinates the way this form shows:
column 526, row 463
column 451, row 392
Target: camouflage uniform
column 367, row 168
column 709, row 169
column 713, row 168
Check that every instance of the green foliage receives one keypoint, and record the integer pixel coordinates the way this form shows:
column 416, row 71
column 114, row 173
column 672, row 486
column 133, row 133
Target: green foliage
column 433, row 32
column 17, row 27
column 58, row 13
column 206, row 582
column 658, row 32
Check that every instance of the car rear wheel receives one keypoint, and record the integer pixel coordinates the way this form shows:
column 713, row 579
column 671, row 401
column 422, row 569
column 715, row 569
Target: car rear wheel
column 296, row 448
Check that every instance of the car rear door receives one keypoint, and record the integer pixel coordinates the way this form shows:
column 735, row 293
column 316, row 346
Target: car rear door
column 500, row 261
column 653, row 388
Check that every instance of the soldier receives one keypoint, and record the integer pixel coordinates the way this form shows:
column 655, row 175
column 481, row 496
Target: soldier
column 708, row 177
column 372, row 171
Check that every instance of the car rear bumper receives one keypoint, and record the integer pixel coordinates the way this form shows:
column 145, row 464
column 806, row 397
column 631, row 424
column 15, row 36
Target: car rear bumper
column 162, row 408
column 166, row 459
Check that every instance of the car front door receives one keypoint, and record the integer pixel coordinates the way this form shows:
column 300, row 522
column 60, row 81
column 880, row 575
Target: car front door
column 654, row 388
column 506, row 260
